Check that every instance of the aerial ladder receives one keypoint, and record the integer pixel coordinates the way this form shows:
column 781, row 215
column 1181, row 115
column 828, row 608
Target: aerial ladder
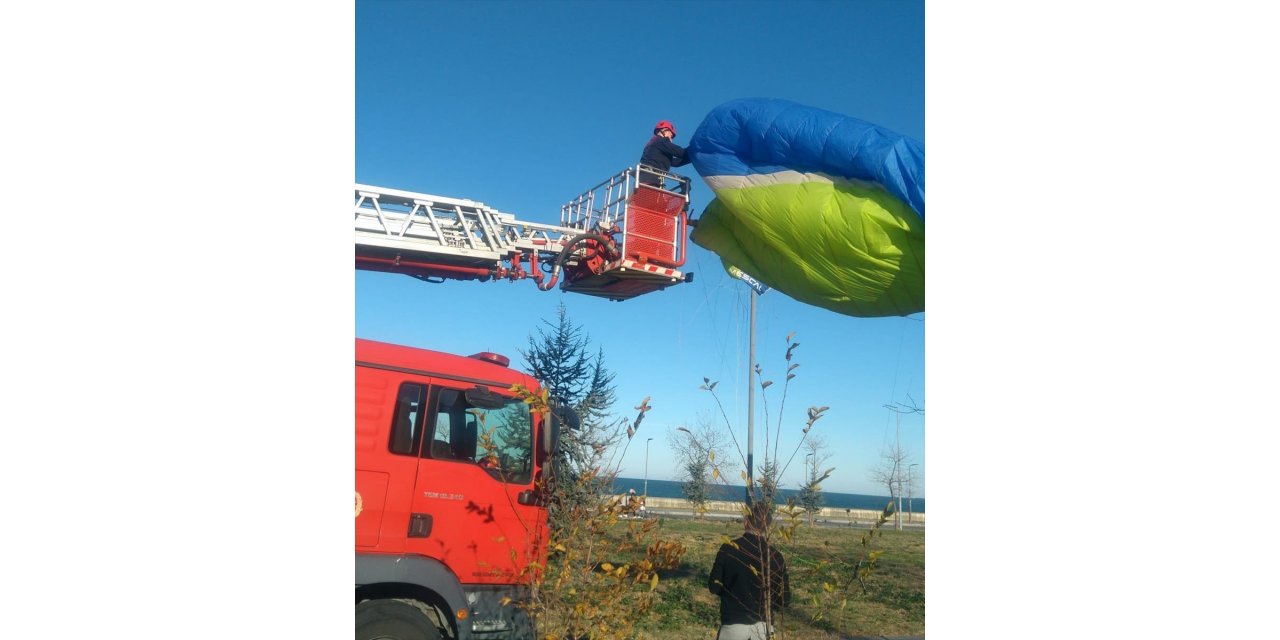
column 623, row 238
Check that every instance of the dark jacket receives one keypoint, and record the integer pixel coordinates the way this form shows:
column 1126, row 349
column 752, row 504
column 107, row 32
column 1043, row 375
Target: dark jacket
column 661, row 153
column 739, row 588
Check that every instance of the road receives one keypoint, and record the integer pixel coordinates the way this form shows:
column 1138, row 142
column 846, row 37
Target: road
column 687, row 514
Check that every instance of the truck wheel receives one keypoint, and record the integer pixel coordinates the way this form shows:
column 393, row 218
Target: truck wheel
column 393, row 620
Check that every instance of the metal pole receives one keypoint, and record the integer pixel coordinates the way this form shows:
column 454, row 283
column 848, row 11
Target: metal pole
column 751, row 400
column 646, row 469
column 911, row 488
column 811, row 474
column 897, row 468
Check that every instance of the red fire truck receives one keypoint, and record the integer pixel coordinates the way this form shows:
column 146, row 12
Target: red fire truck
column 446, row 527
column 450, row 463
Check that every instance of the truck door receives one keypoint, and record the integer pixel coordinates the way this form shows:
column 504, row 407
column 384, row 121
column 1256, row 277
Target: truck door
column 390, row 417
column 476, row 459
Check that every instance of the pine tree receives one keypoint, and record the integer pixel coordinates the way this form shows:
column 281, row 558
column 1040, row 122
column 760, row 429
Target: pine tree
column 695, row 487
column 559, row 357
column 810, row 496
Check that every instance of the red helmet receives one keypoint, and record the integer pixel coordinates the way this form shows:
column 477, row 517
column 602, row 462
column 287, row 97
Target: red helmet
column 663, row 124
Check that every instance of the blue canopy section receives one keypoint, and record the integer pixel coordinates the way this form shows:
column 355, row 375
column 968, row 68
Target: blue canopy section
column 753, row 136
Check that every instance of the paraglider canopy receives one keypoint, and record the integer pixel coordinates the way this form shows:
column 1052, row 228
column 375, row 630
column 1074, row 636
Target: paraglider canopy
column 824, row 207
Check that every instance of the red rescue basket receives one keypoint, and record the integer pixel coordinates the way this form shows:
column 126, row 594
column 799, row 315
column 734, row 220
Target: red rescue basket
column 643, row 211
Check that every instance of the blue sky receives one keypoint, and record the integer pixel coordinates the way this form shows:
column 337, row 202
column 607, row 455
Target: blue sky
column 523, row 106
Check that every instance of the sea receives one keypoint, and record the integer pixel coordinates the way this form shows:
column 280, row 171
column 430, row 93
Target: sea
column 670, row 489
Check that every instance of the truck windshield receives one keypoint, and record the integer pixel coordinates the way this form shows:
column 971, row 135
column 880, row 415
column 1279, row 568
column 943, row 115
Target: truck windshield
column 499, row 439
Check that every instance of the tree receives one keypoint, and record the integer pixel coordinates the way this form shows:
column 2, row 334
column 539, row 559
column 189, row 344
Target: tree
column 701, row 453
column 762, row 490
column 601, row 572
column 559, row 356
column 592, row 584
column 845, row 569
column 768, row 482
column 894, row 460
column 810, row 495
column 696, row 485
column 890, row 473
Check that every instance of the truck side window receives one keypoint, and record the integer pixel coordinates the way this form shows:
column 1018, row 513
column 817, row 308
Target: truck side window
column 460, row 428
column 509, row 432
column 406, row 426
column 450, row 437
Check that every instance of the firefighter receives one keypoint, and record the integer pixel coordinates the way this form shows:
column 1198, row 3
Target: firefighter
column 661, row 153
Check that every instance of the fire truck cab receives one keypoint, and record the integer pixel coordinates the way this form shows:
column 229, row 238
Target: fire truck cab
column 450, row 511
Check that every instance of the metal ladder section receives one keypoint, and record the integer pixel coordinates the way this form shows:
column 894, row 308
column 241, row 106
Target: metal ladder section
column 453, row 230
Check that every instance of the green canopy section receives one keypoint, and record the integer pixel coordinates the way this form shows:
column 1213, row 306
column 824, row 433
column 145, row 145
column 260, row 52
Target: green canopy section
column 841, row 245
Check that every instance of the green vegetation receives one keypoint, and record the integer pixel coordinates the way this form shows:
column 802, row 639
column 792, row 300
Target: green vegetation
column 610, row 576
column 891, row 605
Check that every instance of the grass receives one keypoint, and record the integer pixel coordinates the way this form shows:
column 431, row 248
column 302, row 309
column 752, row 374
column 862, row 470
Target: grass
column 891, row 605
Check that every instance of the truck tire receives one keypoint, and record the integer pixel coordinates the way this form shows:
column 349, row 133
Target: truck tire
column 393, row 620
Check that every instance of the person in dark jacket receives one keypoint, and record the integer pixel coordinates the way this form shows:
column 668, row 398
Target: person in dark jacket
column 737, row 576
column 661, row 153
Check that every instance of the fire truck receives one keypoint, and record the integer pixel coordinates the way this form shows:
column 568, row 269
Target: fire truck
column 451, row 464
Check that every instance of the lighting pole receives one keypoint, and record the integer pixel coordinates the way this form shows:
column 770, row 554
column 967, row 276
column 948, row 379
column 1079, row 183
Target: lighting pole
column 911, row 499
column 751, row 401
column 897, row 467
column 646, row 469
column 811, row 474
